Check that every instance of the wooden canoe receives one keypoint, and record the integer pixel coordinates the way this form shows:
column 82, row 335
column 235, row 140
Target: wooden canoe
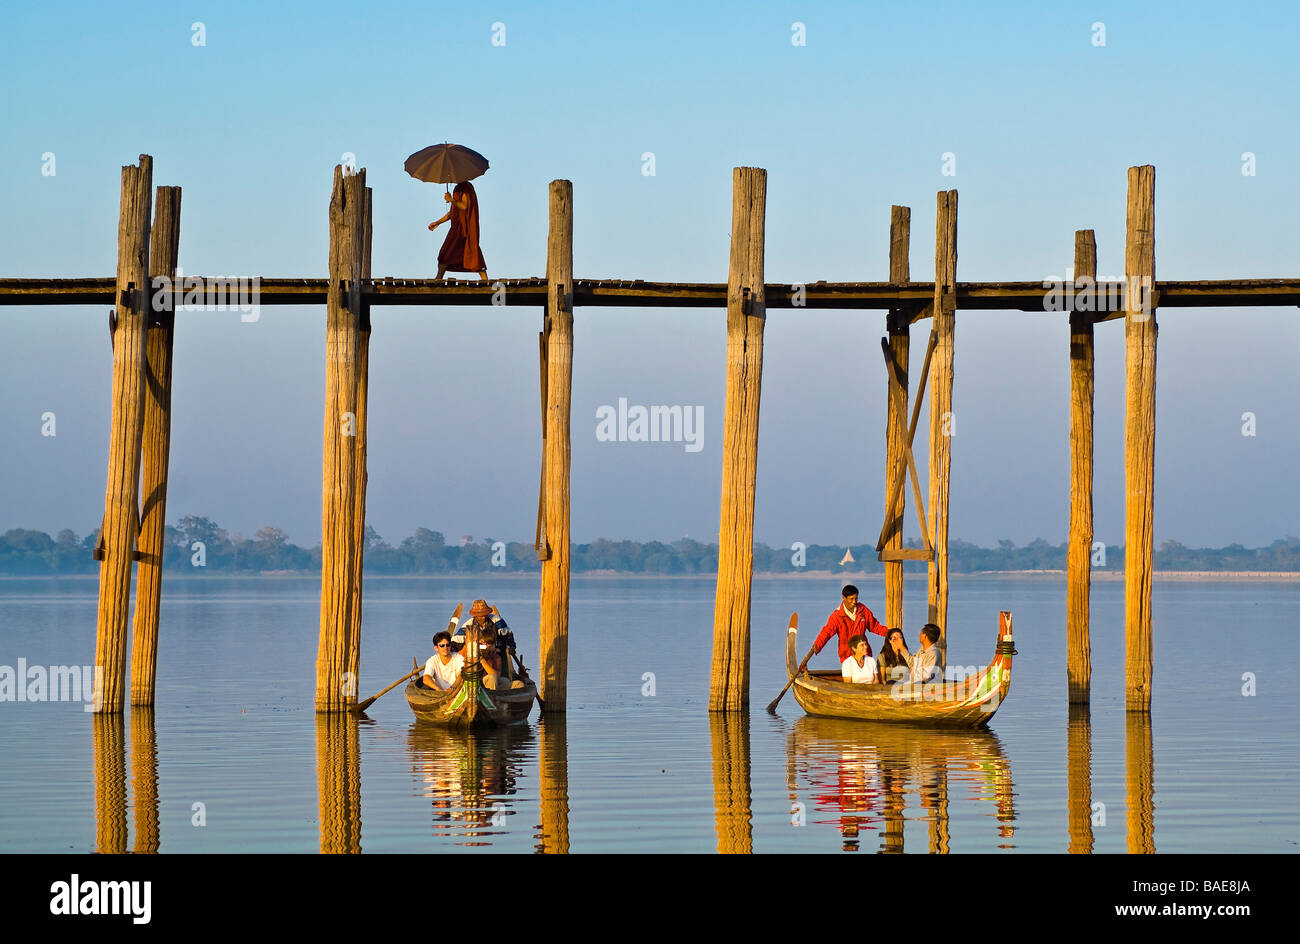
column 964, row 703
column 470, row 704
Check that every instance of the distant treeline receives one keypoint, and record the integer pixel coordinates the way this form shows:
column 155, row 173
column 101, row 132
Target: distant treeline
column 198, row 545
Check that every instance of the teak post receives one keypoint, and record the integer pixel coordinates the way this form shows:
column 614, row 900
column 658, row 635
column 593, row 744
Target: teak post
column 941, row 415
column 746, row 314
column 553, row 625
column 164, row 247
column 352, row 668
column 336, row 690
column 1139, row 433
column 1079, row 553
column 900, row 230
column 126, row 428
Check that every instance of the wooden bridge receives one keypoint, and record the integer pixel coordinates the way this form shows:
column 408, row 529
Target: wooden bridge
column 143, row 323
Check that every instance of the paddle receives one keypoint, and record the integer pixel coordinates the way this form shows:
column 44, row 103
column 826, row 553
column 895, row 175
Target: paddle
column 541, row 705
column 802, row 665
column 451, row 627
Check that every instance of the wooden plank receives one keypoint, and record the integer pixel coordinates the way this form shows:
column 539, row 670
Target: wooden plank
column 164, row 249
column 899, row 554
column 898, row 324
column 1139, row 440
column 553, row 629
column 1079, row 553
column 941, row 383
column 121, row 523
column 746, row 316
column 335, row 691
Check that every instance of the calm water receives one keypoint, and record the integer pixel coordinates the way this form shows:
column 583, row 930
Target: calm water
column 234, row 742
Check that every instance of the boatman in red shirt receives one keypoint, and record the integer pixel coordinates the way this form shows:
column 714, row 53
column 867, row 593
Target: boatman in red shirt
column 847, row 621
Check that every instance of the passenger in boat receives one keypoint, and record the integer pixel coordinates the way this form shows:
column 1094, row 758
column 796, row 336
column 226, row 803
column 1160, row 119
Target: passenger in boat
column 849, row 619
column 442, row 671
column 490, row 624
column 495, row 644
column 895, row 661
column 859, row 667
column 927, row 665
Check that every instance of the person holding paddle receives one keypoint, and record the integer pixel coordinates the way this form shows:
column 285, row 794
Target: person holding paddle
column 848, row 620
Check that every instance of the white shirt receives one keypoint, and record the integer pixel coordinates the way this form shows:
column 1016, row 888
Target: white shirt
column 859, row 673
column 444, row 676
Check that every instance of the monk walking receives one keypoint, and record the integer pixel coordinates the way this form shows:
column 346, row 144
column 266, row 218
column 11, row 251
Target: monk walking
column 460, row 251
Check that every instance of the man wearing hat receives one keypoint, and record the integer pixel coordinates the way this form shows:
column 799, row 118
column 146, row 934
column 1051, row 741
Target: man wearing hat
column 496, row 643
column 849, row 619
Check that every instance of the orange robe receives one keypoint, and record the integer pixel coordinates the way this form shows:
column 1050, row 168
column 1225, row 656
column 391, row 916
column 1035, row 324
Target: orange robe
column 460, row 251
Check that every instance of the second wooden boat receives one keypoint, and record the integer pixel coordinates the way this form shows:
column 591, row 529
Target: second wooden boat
column 963, row 703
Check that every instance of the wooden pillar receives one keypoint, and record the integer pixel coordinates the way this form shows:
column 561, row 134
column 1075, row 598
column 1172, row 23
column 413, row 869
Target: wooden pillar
column 352, row 668
column 335, row 689
column 553, row 785
column 164, row 247
column 553, row 625
column 1078, row 767
column 732, row 811
column 121, row 500
column 1139, row 433
column 941, row 417
column 899, row 323
column 144, row 778
column 1079, row 553
column 746, row 314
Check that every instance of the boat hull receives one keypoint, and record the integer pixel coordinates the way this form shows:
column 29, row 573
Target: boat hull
column 471, row 705
column 965, row 703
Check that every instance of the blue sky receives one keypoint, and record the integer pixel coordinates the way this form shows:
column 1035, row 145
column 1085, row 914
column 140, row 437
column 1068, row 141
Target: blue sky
column 1042, row 123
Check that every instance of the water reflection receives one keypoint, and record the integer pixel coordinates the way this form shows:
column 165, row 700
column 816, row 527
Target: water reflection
column 1139, row 782
column 861, row 779
column 1078, row 763
column 144, row 779
column 469, row 777
column 553, row 785
column 729, row 734
column 109, row 754
column 338, row 775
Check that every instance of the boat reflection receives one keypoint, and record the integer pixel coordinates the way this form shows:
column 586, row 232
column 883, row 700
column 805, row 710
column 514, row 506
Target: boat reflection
column 862, row 778
column 469, row 777
column 338, row 776
column 729, row 734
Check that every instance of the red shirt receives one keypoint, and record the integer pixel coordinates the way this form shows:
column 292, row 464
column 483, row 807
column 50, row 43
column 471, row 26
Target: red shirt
column 863, row 622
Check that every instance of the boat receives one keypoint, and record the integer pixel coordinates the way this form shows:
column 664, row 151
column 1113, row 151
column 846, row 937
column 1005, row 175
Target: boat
column 470, row 704
column 963, row 703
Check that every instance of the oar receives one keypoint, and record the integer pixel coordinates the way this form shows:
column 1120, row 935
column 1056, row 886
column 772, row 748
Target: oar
column 451, row 627
column 541, row 705
column 802, row 665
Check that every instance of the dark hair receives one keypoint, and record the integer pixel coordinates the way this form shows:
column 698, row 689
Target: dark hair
column 442, row 635
column 855, row 639
column 931, row 632
column 849, row 590
column 888, row 657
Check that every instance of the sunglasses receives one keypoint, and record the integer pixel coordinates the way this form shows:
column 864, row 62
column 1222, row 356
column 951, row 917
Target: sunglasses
column 444, row 645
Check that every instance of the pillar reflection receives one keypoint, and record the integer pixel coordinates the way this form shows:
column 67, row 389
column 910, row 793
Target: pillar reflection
column 729, row 734
column 338, row 775
column 1139, row 782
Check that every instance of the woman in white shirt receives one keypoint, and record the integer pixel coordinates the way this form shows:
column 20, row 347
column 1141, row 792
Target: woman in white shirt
column 858, row 667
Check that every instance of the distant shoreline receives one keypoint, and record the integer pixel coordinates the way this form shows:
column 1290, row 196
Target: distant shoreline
column 1280, row 576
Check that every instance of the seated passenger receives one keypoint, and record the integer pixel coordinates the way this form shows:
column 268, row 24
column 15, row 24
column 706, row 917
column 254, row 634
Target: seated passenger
column 895, row 661
column 496, row 674
column 859, row 667
column 442, row 671
column 927, row 665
